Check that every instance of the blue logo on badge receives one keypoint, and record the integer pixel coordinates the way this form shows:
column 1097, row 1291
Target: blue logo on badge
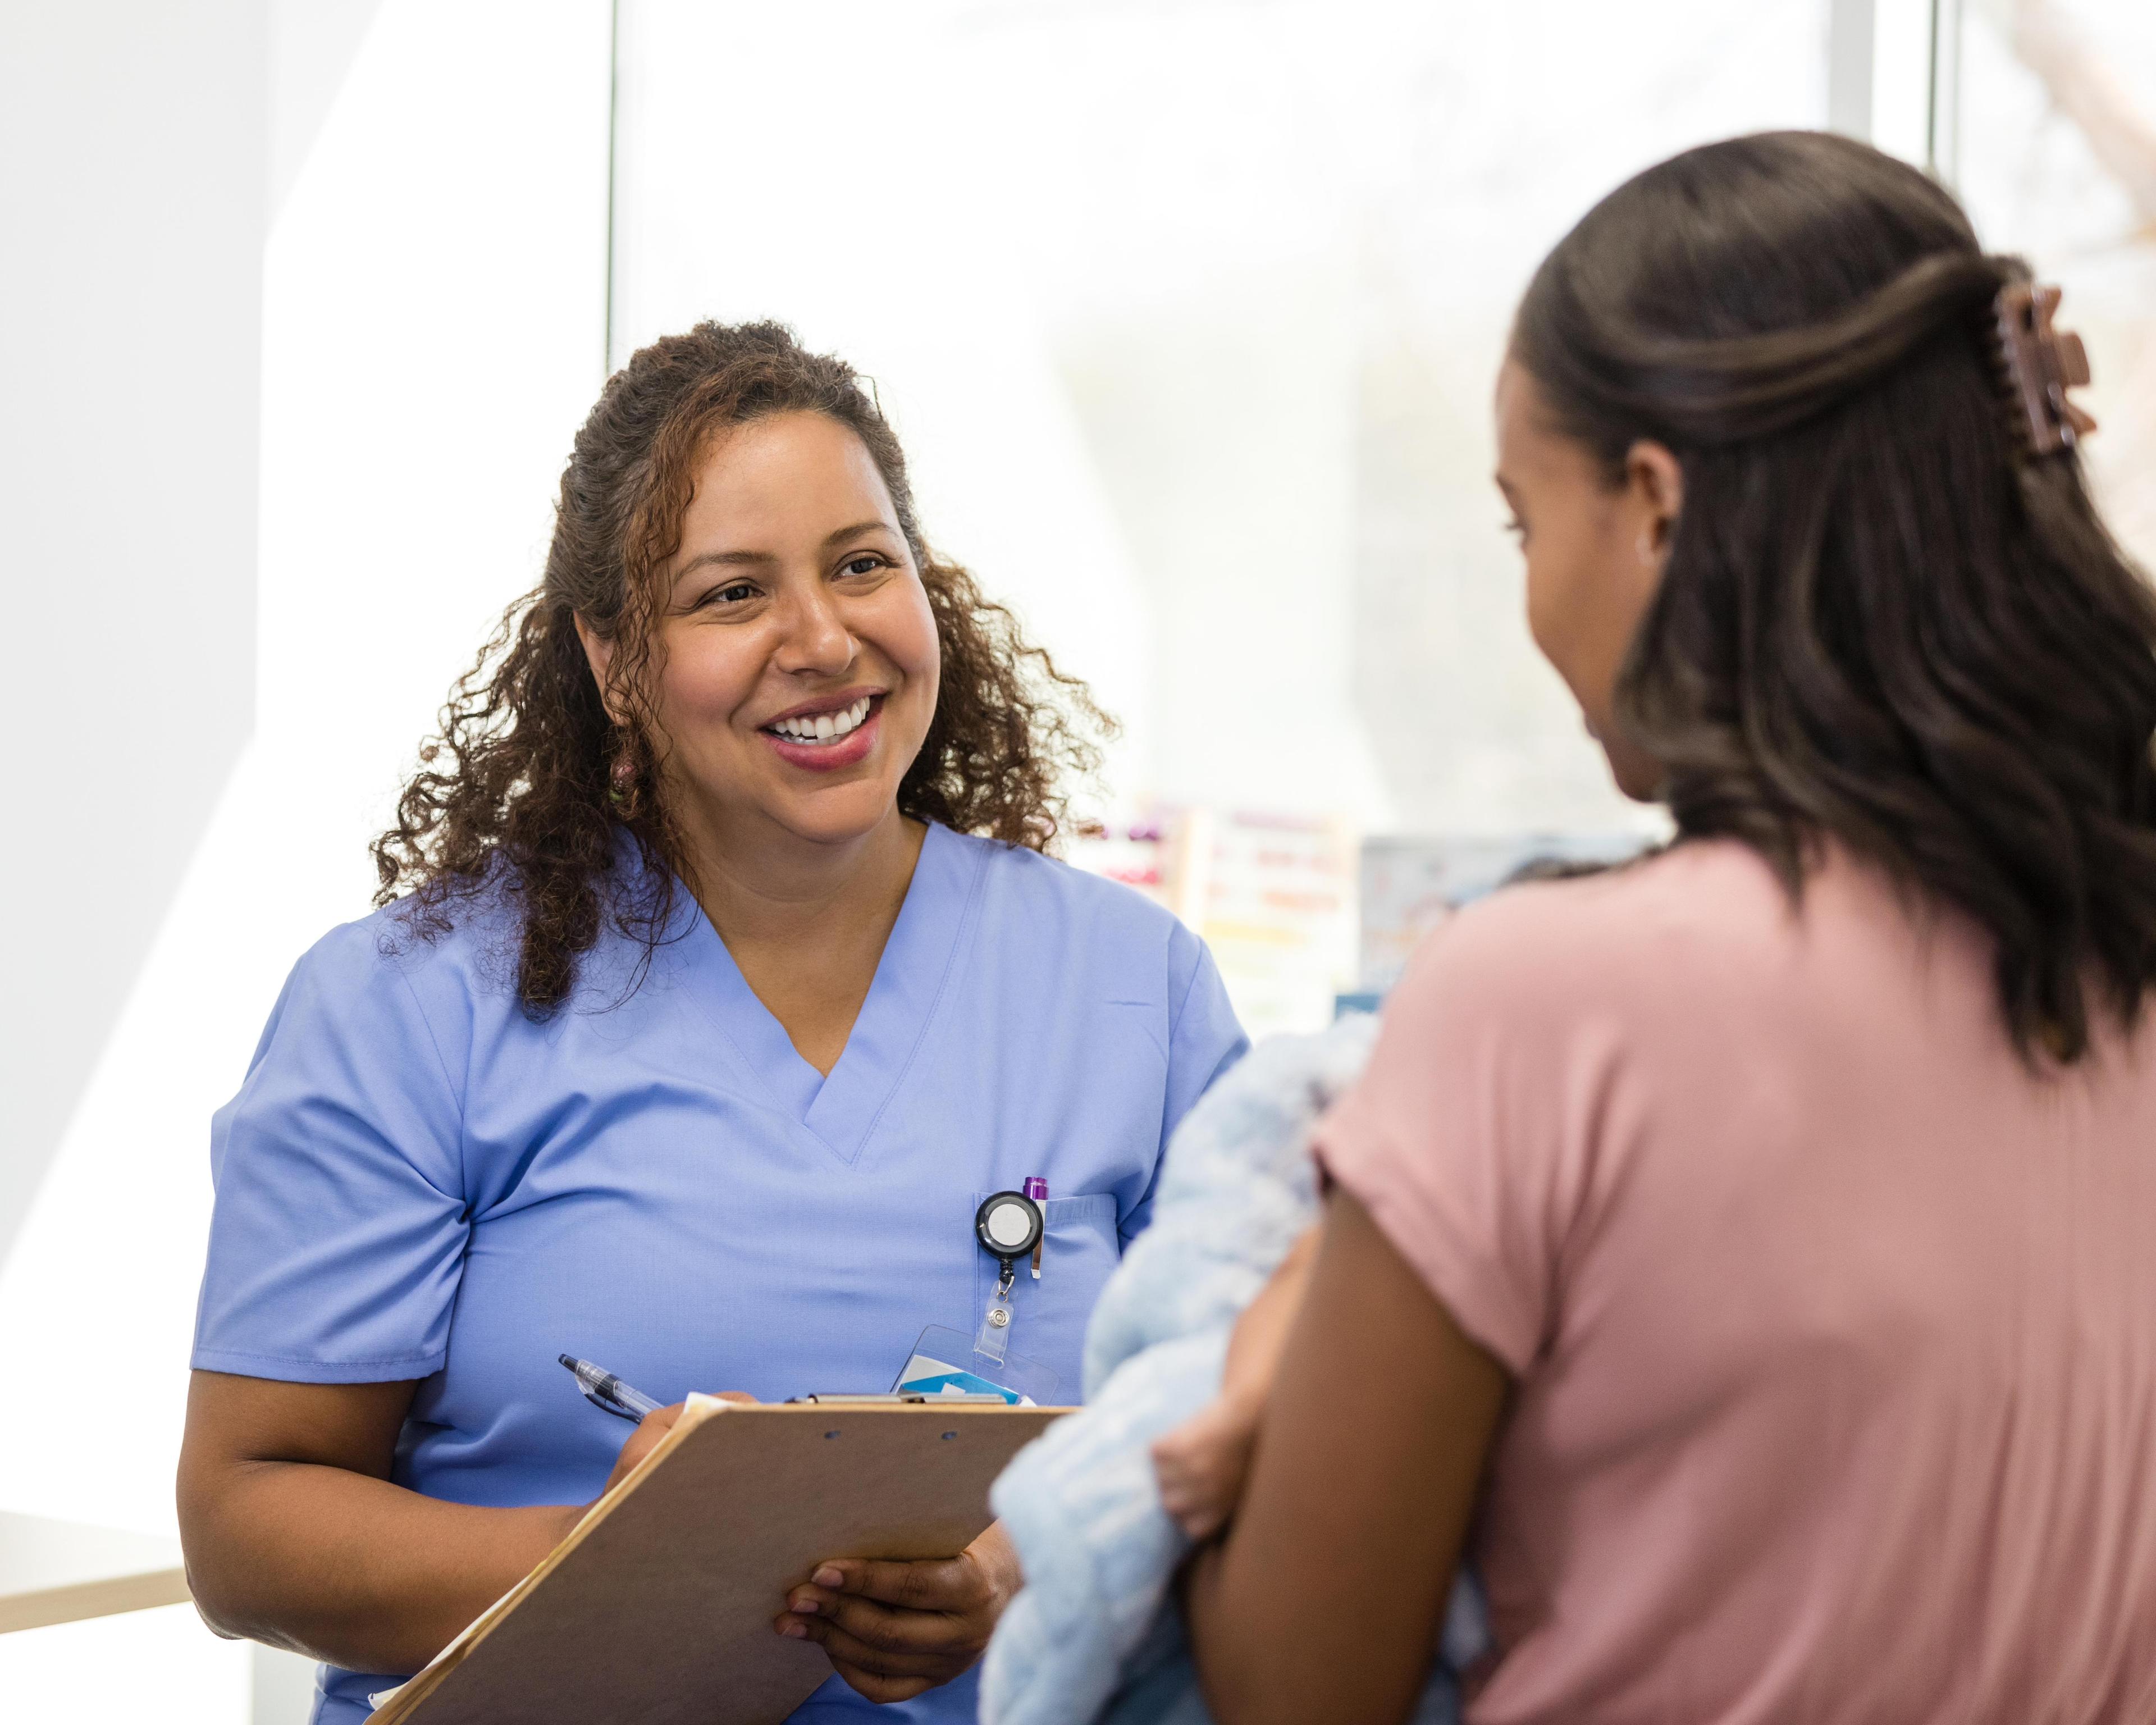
column 938, row 1379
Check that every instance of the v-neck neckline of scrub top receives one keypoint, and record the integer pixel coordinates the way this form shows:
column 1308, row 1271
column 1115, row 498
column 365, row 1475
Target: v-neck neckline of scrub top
column 840, row 1110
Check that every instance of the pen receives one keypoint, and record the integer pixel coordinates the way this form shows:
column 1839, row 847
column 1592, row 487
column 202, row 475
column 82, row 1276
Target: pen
column 1036, row 1189
column 603, row 1389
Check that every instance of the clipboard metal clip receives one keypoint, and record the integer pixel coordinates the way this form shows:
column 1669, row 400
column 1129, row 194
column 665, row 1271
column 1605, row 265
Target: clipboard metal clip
column 892, row 1398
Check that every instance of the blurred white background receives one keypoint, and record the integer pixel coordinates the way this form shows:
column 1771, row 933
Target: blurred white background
column 1187, row 311
column 1190, row 312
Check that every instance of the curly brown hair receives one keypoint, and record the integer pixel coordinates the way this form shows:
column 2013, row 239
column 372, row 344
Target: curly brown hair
column 528, row 783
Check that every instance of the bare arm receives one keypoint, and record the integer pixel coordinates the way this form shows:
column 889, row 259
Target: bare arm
column 294, row 1536
column 1325, row 1598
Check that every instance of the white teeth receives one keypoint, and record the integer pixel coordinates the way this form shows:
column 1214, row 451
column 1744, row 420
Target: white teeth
column 824, row 728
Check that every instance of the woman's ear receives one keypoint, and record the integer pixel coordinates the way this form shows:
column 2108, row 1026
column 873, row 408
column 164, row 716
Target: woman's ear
column 1653, row 477
column 598, row 653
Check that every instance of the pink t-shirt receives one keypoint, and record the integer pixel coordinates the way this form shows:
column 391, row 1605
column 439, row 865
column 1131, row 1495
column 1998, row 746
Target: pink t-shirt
column 1834, row 1327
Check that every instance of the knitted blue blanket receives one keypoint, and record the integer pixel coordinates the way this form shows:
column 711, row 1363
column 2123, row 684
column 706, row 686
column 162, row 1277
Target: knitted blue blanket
column 1094, row 1635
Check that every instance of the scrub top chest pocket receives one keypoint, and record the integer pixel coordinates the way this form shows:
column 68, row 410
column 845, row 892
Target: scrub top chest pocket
column 1079, row 1251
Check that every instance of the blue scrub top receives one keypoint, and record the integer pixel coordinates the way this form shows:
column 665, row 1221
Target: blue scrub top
column 418, row 1181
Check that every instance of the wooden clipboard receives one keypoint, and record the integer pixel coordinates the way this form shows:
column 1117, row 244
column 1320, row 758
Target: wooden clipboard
column 658, row 1605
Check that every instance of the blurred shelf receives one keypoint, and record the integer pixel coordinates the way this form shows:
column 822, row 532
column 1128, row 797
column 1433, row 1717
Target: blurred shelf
column 61, row 1572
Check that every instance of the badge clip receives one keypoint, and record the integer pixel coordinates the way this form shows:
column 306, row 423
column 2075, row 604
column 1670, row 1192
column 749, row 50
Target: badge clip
column 1009, row 1225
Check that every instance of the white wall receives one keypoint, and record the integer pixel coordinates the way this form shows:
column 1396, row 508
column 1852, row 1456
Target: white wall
column 132, row 138
column 398, row 360
column 133, row 150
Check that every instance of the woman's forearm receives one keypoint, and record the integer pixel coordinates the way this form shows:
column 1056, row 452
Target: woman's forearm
column 354, row 1570
column 295, row 1536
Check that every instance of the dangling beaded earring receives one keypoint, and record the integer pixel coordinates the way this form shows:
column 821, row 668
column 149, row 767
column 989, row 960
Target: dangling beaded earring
column 621, row 791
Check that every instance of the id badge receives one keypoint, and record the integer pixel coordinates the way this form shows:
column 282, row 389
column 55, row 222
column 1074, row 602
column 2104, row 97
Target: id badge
column 945, row 1362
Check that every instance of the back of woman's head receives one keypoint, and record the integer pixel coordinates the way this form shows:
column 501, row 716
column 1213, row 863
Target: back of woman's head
column 1885, row 617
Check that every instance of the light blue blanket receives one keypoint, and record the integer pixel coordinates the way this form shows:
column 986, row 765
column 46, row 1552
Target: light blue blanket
column 1094, row 1635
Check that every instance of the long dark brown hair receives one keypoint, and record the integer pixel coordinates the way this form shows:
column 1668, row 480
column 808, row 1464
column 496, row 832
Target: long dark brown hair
column 529, row 785
column 1882, row 618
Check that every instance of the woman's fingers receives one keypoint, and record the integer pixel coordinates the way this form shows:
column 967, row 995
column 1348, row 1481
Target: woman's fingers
column 953, row 1584
column 890, row 1628
column 878, row 1647
column 655, row 1425
column 884, row 1673
column 651, row 1431
column 895, row 1629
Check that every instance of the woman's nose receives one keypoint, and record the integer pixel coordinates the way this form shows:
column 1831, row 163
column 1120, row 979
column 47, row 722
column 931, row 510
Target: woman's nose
column 815, row 638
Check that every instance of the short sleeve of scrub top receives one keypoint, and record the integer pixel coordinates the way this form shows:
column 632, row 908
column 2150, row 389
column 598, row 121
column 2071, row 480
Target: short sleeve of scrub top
column 419, row 1181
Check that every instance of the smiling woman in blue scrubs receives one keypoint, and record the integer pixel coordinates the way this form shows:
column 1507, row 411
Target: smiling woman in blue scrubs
column 727, row 979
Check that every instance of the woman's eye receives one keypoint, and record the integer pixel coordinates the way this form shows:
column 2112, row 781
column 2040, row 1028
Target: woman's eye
column 867, row 563
column 734, row 592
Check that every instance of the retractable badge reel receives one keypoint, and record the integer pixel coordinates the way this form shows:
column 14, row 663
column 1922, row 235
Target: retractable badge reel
column 1010, row 1227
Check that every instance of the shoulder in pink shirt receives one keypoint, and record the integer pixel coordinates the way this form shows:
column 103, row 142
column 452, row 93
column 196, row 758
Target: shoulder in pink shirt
column 1834, row 1324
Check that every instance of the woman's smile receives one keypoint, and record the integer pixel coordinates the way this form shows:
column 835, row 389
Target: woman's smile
column 823, row 736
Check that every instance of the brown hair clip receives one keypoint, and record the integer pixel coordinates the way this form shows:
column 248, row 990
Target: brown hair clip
column 2043, row 362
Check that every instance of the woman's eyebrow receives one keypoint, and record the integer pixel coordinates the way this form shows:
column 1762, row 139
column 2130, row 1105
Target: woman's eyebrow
column 876, row 526
column 703, row 559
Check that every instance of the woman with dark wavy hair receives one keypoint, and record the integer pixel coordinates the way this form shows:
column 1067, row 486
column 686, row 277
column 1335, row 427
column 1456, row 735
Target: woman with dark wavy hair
column 1762, row 1230
column 720, row 975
